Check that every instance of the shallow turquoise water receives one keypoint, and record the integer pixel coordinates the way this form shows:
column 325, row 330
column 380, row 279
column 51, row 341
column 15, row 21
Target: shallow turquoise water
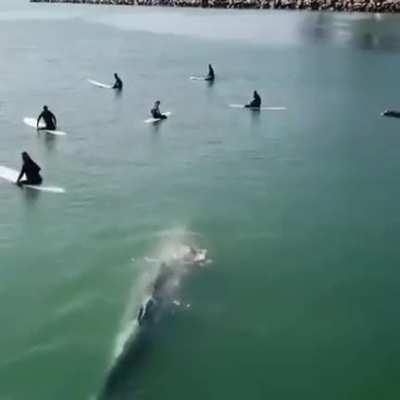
column 298, row 209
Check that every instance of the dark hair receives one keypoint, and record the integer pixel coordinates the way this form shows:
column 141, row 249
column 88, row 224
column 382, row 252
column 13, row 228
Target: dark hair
column 26, row 156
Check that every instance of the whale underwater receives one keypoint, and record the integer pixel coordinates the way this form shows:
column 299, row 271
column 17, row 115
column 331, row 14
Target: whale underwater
column 159, row 303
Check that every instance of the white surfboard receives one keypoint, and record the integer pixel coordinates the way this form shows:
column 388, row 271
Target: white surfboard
column 99, row 84
column 11, row 175
column 32, row 123
column 256, row 108
column 197, row 78
column 153, row 120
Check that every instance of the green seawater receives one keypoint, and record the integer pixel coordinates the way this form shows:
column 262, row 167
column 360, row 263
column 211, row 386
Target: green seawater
column 299, row 209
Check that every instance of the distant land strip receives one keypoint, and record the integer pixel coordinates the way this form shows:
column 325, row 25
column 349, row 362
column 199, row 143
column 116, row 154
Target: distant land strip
column 387, row 6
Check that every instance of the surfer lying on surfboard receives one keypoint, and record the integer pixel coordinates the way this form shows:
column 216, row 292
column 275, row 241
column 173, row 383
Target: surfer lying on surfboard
column 118, row 82
column 31, row 171
column 155, row 111
column 391, row 113
column 256, row 102
column 49, row 120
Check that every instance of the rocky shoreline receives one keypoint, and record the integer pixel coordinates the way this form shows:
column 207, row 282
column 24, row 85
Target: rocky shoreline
column 386, row 6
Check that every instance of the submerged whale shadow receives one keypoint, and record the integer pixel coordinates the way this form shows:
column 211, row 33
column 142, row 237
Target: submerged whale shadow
column 152, row 317
column 122, row 374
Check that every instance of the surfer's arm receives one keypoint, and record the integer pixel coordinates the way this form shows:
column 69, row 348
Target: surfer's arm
column 117, row 84
column 38, row 120
column 53, row 117
column 21, row 174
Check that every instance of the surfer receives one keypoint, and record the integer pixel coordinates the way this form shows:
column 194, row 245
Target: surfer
column 48, row 118
column 211, row 74
column 155, row 111
column 31, row 171
column 118, row 82
column 391, row 113
column 256, row 102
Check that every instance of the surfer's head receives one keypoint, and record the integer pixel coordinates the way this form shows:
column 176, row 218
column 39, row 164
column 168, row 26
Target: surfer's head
column 45, row 108
column 158, row 102
column 25, row 156
column 115, row 75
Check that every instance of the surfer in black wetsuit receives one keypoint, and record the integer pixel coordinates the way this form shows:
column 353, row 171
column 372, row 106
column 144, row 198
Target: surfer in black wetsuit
column 391, row 113
column 256, row 102
column 211, row 74
column 155, row 111
column 118, row 82
column 48, row 118
column 31, row 171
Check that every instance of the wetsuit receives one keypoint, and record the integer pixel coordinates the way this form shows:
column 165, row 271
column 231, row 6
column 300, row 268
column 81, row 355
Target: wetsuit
column 256, row 102
column 211, row 74
column 118, row 84
column 155, row 112
column 31, row 171
column 391, row 113
column 49, row 120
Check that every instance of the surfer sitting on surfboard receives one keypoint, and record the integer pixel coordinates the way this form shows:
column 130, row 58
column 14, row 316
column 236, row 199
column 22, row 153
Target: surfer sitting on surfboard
column 256, row 102
column 48, row 118
column 118, row 82
column 31, row 171
column 155, row 111
column 211, row 74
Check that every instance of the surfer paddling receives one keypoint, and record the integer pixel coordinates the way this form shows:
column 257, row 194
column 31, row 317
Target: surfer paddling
column 31, row 171
column 256, row 102
column 48, row 118
column 118, row 82
column 155, row 111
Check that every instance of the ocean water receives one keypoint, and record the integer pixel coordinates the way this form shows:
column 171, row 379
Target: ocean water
column 298, row 209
